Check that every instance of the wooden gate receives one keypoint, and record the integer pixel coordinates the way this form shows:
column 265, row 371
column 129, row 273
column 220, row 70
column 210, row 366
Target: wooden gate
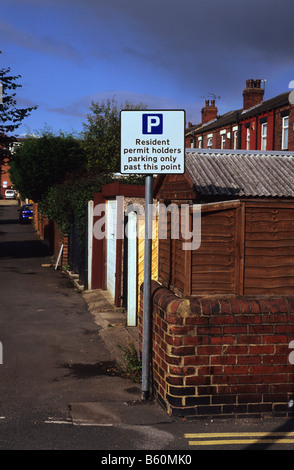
column 141, row 239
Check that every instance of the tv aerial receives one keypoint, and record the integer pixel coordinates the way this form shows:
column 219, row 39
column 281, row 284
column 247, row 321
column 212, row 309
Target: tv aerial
column 214, row 96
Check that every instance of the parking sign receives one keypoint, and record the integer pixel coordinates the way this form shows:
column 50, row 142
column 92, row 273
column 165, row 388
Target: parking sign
column 152, row 124
column 152, row 142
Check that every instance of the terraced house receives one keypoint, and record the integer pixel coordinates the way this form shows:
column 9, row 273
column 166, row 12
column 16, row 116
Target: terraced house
column 258, row 125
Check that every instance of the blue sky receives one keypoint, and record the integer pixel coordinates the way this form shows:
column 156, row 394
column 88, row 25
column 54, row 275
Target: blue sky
column 166, row 54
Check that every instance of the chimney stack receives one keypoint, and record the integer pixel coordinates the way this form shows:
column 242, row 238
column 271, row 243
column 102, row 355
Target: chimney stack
column 253, row 94
column 209, row 112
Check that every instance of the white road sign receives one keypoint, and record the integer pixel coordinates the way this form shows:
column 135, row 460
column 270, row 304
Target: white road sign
column 152, row 142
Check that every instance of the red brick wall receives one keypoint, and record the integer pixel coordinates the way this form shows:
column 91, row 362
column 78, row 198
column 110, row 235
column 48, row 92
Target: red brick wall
column 59, row 239
column 5, row 176
column 222, row 357
column 43, row 226
column 278, row 128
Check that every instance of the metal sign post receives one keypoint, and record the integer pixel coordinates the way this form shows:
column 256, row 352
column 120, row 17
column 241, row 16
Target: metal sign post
column 146, row 346
column 152, row 142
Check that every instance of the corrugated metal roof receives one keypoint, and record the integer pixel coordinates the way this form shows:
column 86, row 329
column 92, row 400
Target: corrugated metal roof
column 238, row 173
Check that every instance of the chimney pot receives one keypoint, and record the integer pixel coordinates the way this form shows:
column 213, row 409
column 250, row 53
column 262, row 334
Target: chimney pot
column 253, row 94
column 209, row 113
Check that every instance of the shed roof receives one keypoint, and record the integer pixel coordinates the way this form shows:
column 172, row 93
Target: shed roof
column 227, row 174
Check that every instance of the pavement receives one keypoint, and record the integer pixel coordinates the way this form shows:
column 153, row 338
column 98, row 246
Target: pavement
column 121, row 404
column 113, row 322
column 125, row 405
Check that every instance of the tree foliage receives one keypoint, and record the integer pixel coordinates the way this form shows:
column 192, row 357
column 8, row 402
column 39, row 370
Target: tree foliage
column 101, row 135
column 42, row 162
column 62, row 173
column 11, row 116
column 68, row 200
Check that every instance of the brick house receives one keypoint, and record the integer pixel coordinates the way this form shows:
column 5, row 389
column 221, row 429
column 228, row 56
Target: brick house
column 258, row 125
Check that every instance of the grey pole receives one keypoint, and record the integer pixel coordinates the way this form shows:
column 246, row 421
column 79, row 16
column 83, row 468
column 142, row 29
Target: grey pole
column 147, row 309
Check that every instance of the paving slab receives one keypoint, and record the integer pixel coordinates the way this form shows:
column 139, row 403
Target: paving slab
column 113, row 323
column 112, row 413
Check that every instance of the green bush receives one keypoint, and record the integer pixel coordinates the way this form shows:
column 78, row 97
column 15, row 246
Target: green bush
column 67, row 201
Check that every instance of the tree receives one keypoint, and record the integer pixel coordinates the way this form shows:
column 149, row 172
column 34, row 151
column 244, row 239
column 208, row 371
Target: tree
column 11, row 116
column 42, row 162
column 101, row 135
column 67, row 201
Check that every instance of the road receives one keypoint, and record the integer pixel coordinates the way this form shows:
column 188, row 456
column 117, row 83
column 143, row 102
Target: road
column 60, row 391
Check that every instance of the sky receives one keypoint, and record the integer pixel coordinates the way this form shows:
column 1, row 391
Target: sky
column 165, row 54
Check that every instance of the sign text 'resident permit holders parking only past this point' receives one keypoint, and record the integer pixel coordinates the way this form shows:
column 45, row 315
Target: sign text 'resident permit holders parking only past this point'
column 152, row 142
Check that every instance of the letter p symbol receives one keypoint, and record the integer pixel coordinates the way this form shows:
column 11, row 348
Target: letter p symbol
column 152, row 124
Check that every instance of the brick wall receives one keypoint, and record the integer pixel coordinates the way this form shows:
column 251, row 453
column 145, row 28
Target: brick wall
column 222, row 357
column 278, row 128
column 4, row 178
column 60, row 239
column 43, row 226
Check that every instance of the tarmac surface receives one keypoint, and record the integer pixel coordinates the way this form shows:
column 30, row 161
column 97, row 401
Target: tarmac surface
column 116, row 335
column 62, row 348
column 61, row 381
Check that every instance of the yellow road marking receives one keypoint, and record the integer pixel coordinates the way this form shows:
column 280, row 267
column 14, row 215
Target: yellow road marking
column 238, row 434
column 240, row 441
column 263, row 437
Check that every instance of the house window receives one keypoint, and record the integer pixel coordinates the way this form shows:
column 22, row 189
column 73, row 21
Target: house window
column 209, row 140
column 248, row 139
column 285, row 132
column 223, row 139
column 235, row 139
column 200, row 142
column 263, row 135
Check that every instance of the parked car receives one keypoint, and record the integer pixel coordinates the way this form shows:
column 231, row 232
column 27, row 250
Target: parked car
column 9, row 194
column 26, row 213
